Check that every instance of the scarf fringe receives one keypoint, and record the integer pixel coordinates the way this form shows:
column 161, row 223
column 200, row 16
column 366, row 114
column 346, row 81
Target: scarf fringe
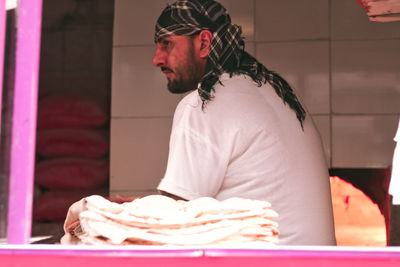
column 260, row 75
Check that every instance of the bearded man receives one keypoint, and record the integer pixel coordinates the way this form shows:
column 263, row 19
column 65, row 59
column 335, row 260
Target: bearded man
column 240, row 131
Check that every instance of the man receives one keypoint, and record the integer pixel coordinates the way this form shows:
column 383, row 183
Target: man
column 241, row 131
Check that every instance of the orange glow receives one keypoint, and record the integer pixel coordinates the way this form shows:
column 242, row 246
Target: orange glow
column 358, row 221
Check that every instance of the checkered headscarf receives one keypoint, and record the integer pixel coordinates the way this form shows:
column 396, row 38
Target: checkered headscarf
column 189, row 17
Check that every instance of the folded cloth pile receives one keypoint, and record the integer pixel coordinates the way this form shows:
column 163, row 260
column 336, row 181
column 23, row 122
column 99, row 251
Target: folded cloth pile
column 160, row 220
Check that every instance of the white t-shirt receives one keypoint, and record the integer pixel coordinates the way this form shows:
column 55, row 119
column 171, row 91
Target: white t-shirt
column 248, row 143
column 394, row 188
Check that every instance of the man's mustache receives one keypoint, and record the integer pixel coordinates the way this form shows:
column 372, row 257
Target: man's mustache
column 166, row 69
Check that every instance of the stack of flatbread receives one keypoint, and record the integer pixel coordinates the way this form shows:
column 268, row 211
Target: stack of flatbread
column 160, row 220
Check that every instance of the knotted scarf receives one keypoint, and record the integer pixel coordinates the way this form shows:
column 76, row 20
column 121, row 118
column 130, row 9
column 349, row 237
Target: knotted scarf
column 189, row 17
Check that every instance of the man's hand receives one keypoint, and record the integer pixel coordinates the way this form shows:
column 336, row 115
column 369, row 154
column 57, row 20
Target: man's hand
column 121, row 199
column 71, row 228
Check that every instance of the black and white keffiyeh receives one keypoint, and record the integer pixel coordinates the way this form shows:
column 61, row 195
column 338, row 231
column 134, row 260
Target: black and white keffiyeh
column 189, row 17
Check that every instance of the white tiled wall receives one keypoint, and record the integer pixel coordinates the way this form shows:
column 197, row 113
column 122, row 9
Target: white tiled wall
column 135, row 21
column 139, row 153
column 138, row 88
column 364, row 140
column 291, row 20
column 305, row 65
column 344, row 67
column 366, row 76
column 349, row 22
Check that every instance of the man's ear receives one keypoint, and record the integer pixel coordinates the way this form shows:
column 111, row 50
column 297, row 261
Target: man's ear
column 205, row 38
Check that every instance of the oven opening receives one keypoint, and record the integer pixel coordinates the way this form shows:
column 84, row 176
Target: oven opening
column 361, row 206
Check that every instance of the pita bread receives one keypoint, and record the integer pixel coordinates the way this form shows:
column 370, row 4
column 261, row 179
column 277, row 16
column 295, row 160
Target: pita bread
column 160, row 220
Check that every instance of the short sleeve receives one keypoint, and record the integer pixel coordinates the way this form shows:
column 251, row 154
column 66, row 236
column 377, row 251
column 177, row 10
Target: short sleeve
column 195, row 168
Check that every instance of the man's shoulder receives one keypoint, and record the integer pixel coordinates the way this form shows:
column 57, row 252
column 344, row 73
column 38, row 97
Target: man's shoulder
column 190, row 102
column 235, row 85
column 190, row 98
column 234, row 78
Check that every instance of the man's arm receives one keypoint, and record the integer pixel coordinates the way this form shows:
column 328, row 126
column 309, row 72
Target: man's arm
column 171, row 195
column 121, row 199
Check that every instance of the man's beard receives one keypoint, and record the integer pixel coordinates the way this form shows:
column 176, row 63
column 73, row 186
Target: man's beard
column 180, row 86
column 191, row 78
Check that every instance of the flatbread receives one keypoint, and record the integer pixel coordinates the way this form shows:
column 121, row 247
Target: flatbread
column 160, row 220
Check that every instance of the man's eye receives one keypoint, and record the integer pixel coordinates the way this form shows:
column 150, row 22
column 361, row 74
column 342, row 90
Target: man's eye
column 166, row 43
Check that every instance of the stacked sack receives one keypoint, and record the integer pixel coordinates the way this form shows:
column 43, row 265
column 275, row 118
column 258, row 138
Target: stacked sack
column 160, row 220
column 72, row 146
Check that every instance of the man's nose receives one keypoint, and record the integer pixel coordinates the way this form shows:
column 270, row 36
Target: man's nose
column 159, row 58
